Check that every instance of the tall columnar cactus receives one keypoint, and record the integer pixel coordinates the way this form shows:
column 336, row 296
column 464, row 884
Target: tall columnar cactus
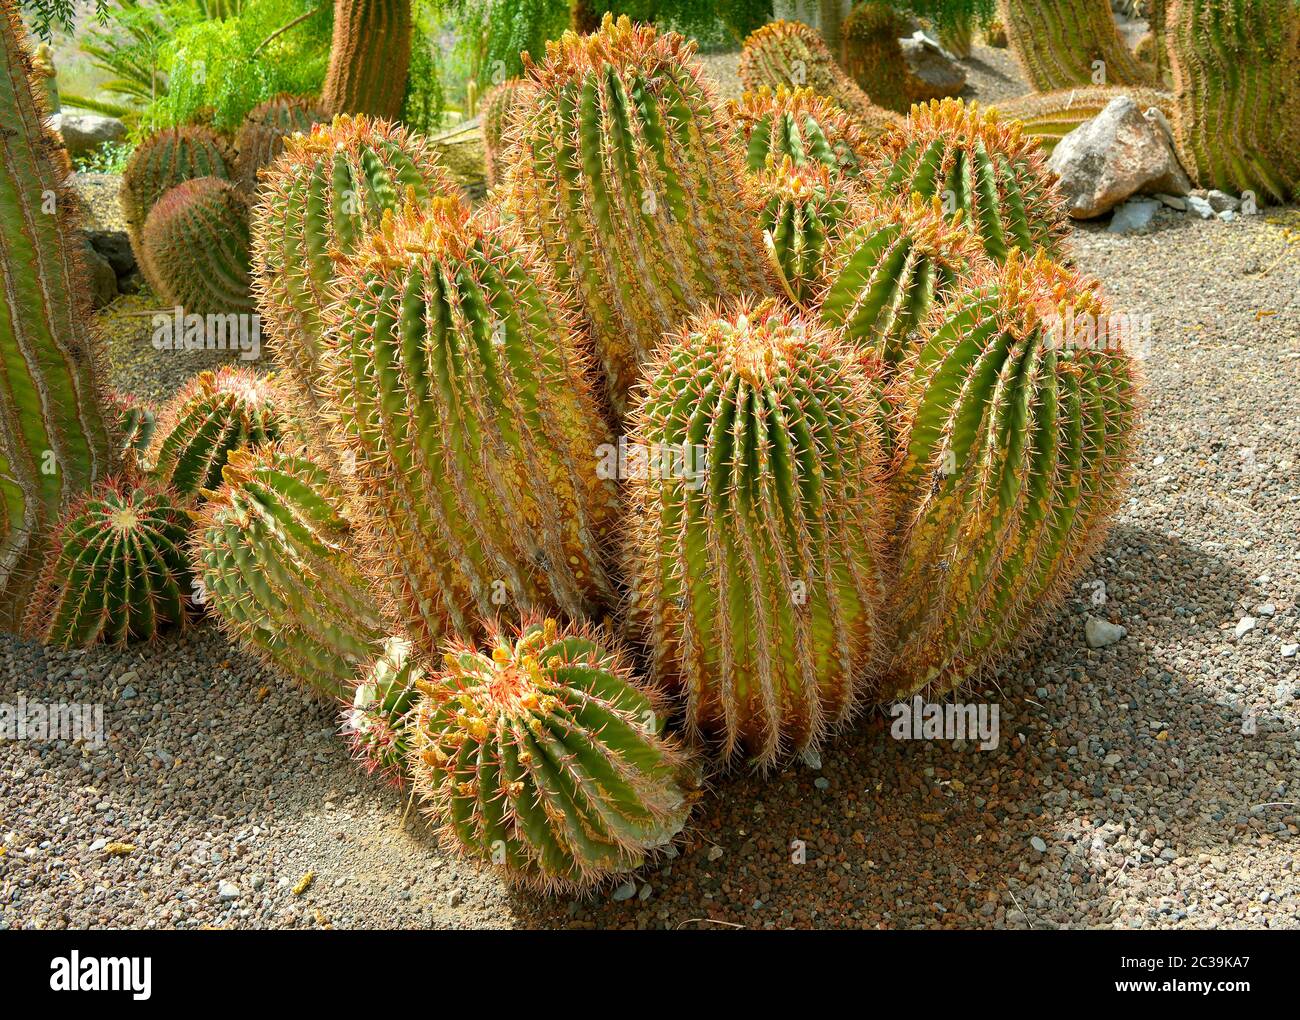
column 458, row 384
column 369, row 57
column 261, row 137
column 626, row 174
column 1060, row 43
column 547, row 759
column 320, row 199
column 790, row 53
column 804, row 211
column 987, row 171
column 116, row 570
column 1020, row 411
column 755, row 558
column 873, row 56
column 55, row 440
column 496, row 112
column 275, row 556
column 212, row 415
column 1047, row 117
column 377, row 721
column 801, row 125
column 197, row 242
column 1237, row 94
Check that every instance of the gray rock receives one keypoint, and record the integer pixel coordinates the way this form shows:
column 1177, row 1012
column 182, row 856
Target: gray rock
column 1114, row 155
column 1133, row 214
column 1037, row 843
column 624, row 892
column 1101, row 633
column 1199, row 206
column 1289, row 651
column 1174, row 202
column 227, row 890
column 1227, row 215
column 1221, row 201
column 935, row 68
column 103, row 281
column 83, row 133
column 115, row 248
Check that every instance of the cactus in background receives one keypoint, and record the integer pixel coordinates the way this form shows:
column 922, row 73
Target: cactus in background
column 377, row 721
column 261, row 137
column 995, row 35
column 196, row 240
column 1060, row 43
column 1020, row 428
column 500, row 104
column 873, row 56
column 55, row 440
column 159, row 163
column 458, row 384
column 997, row 179
column 547, row 759
column 804, row 211
column 369, row 57
column 136, row 421
column 626, row 173
column 790, row 53
column 116, row 570
column 801, row 125
column 755, row 560
column 1047, row 117
column 1237, row 86
column 274, row 553
column 325, row 193
column 957, row 37
column 213, row 414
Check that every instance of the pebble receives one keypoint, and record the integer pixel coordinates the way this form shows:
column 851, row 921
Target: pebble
column 1244, row 626
column 1099, row 633
column 625, row 891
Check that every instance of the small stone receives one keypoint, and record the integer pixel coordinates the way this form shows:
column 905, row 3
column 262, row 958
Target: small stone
column 1173, row 201
column 128, row 692
column 456, row 897
column 1200, row 207
column 1132, row 215
column 822, row 783
column 1227, row 215
column 1038, row 844
column 1289, row 651
column 227, row 890
column 646, row 892
column 1244, row 626
column 1099, row 633
column 624, row 892
column 715, row 853
column 1221, row 201
column 1267, row 609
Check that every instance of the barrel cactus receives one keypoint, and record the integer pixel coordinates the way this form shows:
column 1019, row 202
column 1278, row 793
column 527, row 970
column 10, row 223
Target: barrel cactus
column 1020, row 428
column 196, row 240
column 377, row 720
column 324, row 194
column 774, row 124
column 496, row 112
column 545, row 758
column 626, row 174
column 458, row 385
column 873, row 56
column 273, row 552
column 1063, row 43
column 987, row 171
column 261, row 136
column 116, row 570
column 213, row 414
column 755, row 560
column 136, row 421
column 804, row 211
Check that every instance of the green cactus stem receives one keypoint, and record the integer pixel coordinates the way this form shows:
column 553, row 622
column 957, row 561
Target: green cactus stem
column 802, row 125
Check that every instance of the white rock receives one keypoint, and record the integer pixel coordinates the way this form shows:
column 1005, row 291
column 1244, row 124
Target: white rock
column 1289, row 651
column 1267, row 609
column 1101, row 633
column 227, row 890
column 1199, row 206
column 1245, row 625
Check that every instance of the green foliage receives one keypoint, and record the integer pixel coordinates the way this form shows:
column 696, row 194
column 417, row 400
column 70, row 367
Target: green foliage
column 491, row 34
column 426, row 98
column 109, row 158
column 949, row 14
column 47, row 15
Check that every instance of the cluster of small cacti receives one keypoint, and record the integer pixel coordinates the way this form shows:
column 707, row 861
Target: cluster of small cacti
column 496, row 110
column 803, row 211
column 1064, row 43
column 1047, row 117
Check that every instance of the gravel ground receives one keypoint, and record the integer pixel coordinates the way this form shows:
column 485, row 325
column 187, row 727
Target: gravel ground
column 1152, row 783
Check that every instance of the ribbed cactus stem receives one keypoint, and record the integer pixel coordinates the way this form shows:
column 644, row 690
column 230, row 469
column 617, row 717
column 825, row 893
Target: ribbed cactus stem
column 378, row 720
column 262, row 135
column 804, row 211
column 755, row 560
column 773, row 124
column 54, row 437
column 497, row 111
column 627, row 176
column 546, row 759
column 873, row 56
column 459, row 386
column 275, row 555
column 369, row 57
column 1062, row 43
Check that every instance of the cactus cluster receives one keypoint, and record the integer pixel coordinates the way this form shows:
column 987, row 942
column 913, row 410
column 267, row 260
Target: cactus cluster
column 500, row 104
column 774, row 124
column 1236, row 68
column 545, row 758
column 1064, row 43
column 626, row 174
column 261, row 137
column 1047, row 117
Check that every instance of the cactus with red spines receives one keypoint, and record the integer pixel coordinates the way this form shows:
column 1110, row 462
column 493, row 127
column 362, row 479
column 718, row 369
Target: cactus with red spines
column 261, row 136
column 799, row 124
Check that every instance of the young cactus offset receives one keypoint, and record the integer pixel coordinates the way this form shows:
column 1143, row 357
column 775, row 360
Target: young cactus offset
column 213, row 414
column 458, row 386
column 319, row 200
column 496, row 114
column 801, row 125
column 546, row 759
column 197, row 242
column 377, row 721
column 988, row 172
column 1064, row 43
column 274, row 554
column 626, row 173
column 804, row 212
column 1236, row 72
column 1020, row 411
column 755, row 558
column 116, row 570
column 790, row 54
column 261, row 137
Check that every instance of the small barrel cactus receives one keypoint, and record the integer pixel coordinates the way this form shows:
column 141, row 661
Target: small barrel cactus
column 213, row 414
column 801, row 125
column 626, row 174
column 989, row 172
column 136, row 421
column 756, row 554
column 458, row 383
column 197, row 242
column 1020, row 428
column 496, row 113
column 261, row 137
column 803, row 214
column 546, row 759
column 116, row 571
column 377, row 720
column 273, row 552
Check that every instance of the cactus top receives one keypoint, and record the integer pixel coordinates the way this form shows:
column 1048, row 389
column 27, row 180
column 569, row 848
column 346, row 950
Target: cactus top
column 800, row 124
column 620, row 43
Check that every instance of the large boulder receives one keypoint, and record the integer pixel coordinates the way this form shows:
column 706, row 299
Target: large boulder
column 1118, row 153
column 83, row 133
column 935, row 72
